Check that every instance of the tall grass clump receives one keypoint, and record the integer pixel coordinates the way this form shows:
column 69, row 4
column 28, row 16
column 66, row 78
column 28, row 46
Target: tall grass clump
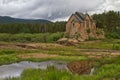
column 7, row 59
column 116, row 46
column 51, row 73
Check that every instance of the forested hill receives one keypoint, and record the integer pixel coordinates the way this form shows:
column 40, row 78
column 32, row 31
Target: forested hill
column 6, row 19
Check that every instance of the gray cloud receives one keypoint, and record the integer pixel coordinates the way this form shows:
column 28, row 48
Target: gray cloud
column 54, row 9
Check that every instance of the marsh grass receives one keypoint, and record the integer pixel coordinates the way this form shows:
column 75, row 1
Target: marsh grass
column 7, row 59
column 103, row 44
column 109, row 71
column 51, row 73
column 8, row 56
column 3, row 52
column 105, row 68
column 68, row 53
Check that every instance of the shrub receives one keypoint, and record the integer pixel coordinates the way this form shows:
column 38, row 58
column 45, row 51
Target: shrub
column 55, row 36
column 88, row 30
column 98, row 31
column 67, row 35
column 77, row 35
column 116, row 46
column 91, row 38
column 112, row 35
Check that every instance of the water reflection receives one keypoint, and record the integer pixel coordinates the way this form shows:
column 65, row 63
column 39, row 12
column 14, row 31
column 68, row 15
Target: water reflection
column 81, row 67
column 15, row 69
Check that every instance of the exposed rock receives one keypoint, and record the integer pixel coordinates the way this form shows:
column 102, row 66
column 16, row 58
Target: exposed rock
column 62, row 40
column 73, row 41
column 68, row 42
column 80, row 39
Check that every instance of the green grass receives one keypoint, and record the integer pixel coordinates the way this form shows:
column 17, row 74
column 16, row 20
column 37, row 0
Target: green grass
column 68, row 53
column 103, row 44
column 7, row 59
column 37, row 74
column 27, row 37
column 59, row 58
column 9, row 55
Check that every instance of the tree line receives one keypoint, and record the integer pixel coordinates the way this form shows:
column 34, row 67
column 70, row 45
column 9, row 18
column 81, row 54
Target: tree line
column 110, row 21
column 33, row 27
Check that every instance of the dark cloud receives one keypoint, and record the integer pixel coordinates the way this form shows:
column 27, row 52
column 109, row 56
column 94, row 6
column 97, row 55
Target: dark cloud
column 54, row 9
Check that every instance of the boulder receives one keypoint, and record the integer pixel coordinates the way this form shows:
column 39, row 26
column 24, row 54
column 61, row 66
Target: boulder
column 62, row 40
column 68, row 42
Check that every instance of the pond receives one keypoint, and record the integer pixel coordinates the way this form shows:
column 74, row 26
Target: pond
column 15, row 69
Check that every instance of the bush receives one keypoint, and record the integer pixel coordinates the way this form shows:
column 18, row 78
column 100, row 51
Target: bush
column 55, row 36
column 116, row 46
column 112, row 35
column 67, row 35
column 98, row 31
column 88, row 31
column 91, row 38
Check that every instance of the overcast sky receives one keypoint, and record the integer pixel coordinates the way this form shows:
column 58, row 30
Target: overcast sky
column 54, row 9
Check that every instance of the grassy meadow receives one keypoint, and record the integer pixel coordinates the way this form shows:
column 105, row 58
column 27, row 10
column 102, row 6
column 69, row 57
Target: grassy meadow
column 106, row 68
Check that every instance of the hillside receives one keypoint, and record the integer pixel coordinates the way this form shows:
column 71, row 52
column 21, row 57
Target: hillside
column 7, row 19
